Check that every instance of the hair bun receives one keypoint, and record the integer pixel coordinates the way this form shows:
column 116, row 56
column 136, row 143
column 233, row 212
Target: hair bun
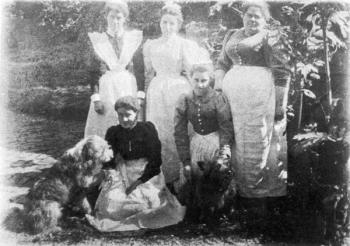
column 172, row 6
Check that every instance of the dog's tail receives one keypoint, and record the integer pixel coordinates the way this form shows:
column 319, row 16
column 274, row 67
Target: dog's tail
column 42, row 216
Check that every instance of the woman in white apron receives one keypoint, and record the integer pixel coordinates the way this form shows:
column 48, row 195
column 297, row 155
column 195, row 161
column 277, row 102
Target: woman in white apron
column 116, row 49
column 209, row 113
column 166, row 59
column 253, row 72
column 133, row 194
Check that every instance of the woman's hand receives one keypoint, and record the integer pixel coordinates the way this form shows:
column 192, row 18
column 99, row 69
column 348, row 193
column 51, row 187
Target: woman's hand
column 99, row 108
column 280, row 113
column 132, row 187
column 187, row 172
column 281, row 102
column 141, row 101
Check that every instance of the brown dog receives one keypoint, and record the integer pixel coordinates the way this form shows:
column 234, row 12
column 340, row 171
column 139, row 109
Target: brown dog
column 62, row 186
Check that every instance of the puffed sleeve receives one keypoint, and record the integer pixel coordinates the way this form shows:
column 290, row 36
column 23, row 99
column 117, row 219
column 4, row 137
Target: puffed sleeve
column 277, row 57
column 153, row 147
column 182, row 140
column 148, row 68
column 224, row 116
column 224, row 62
column 193, row 54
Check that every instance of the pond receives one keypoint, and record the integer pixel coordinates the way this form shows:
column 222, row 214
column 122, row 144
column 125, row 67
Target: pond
column 26, row 133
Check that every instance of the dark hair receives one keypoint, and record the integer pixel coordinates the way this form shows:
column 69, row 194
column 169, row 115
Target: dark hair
column 119, row 6
column 127, row 102
column 201, row 68
column 174, row 10
column 263, row 6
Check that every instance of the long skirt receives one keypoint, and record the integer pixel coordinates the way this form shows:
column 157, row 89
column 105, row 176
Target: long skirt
column 112, row 86
column 260, row 153
column 150, row 205
column 162, row 95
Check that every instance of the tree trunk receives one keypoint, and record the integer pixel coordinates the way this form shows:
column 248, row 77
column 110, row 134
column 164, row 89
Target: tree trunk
column 327, row 70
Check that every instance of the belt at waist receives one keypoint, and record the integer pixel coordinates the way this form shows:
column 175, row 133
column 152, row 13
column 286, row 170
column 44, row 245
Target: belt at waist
column 204, row 131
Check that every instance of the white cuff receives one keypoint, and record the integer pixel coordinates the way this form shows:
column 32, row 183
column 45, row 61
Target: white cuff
column 141, row 94
column 95, row 97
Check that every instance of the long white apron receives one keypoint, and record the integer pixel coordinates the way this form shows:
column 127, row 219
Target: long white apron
column 150, row 205
column 261, row 148
column 115, row 83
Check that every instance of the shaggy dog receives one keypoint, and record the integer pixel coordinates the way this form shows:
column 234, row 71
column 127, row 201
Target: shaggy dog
column 215, row 191
column 62, row 187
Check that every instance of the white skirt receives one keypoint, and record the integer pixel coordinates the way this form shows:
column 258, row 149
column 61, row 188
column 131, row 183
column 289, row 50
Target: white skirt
column 261, row 149
column 112, row 86
column 162, row 95
column 150, row 205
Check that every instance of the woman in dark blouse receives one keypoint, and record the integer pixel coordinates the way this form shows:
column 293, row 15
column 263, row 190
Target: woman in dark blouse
column 253, row 73
column 209, row 113
column 134, row 194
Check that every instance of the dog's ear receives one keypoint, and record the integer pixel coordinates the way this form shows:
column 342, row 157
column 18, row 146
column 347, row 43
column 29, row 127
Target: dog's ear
column 67, row 157
column 85, row 152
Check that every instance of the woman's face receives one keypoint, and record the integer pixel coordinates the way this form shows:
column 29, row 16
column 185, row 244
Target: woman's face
column 169, row 25
column 127, row 117
column 115, row 20
column 201, row 82
column 253, row 20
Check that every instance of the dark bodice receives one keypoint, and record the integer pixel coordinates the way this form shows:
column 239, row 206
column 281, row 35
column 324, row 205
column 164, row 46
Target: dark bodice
column 207, row 114
column 139, row 142
column 242, row 53
column 262, row 49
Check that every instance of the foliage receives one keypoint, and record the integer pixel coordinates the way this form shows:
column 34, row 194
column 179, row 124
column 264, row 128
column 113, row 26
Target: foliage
column 312, row 34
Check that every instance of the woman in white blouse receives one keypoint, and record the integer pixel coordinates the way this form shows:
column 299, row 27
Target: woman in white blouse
column 167, row 61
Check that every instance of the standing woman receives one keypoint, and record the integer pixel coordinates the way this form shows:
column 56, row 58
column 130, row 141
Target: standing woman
column 252, row 72
column 118, row 51
column 165, row 59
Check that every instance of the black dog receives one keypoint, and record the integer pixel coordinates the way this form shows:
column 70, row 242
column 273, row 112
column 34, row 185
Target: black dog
column 215, row 191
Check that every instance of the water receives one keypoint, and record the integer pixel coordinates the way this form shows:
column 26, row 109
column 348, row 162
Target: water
column 25, row 133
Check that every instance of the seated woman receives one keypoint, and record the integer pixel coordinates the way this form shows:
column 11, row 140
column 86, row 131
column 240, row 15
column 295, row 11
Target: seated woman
column 133, row 194
column 209, row 113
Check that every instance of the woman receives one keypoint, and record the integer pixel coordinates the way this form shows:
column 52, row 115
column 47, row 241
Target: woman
column 209, row 113
column 134, row 195
column 252, row 72
column 165, row 59
column 117, row 51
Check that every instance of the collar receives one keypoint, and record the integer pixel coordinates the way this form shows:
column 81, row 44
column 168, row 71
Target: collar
column 204, row 99
column 132, row 128
column 113, row 34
